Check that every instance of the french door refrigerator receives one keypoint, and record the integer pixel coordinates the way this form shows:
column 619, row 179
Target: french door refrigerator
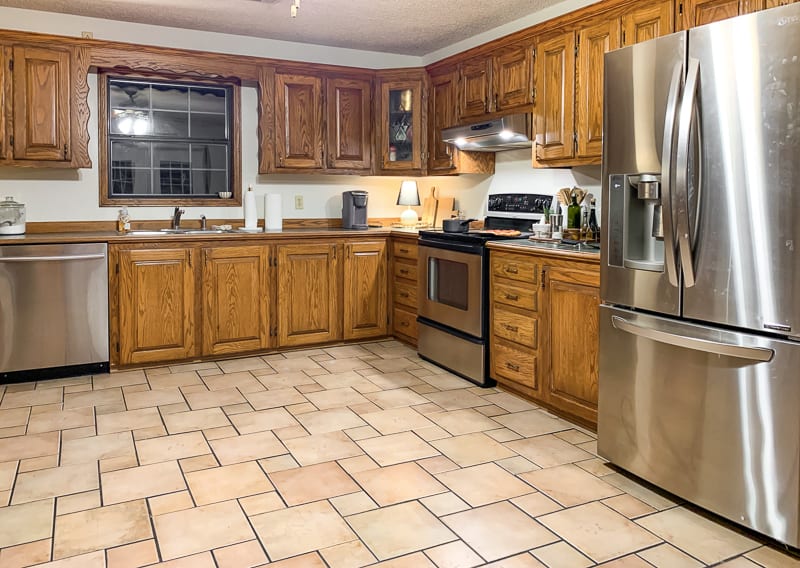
column 700, row 316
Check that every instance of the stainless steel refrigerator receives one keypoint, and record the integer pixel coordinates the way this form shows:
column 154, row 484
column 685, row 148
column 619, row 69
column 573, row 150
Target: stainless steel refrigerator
column 700, row 320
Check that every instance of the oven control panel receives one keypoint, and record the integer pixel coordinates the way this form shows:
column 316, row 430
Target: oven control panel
column 519, row 203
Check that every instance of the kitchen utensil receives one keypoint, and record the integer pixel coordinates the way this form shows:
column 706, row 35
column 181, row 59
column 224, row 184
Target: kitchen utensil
column 456, row 225
column 444, row 207
column 429, row 205
column 12, row 217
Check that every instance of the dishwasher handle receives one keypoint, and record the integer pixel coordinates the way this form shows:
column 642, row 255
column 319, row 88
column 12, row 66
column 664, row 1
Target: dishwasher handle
column 98, row 256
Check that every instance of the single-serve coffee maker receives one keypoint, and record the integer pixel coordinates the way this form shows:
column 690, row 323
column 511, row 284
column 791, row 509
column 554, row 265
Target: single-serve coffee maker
column 641, row 238
column 354, row 209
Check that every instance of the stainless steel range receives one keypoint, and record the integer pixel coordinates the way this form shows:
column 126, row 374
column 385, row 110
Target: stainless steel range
column 453, row 286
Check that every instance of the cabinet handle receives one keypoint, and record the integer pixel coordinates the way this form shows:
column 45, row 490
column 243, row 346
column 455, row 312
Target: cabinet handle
column 403, row 324
column 404, row 250
column 496, row 103
column 512, row 269
column 280, row 161
column 512, row 297
column 485, row 105
column 403, row 271
column 511, row 327
column 65, row 151
column 543, row 277
column 404, row 294
column 513, row 367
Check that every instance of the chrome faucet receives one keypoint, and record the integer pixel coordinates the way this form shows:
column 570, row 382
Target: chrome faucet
column 176, row 218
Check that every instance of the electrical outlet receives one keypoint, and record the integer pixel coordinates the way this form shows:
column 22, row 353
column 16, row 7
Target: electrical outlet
column 87, row 35
column 298, row 201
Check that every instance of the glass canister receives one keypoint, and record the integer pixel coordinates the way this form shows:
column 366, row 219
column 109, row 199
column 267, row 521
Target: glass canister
column 12, row 217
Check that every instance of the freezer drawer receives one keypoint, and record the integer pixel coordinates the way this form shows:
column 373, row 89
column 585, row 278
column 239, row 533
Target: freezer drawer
column 709, row 415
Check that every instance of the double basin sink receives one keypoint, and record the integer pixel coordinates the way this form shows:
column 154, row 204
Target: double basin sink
column 162, row 232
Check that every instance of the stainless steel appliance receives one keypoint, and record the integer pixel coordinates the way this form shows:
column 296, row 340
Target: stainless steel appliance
column 503, row 133
column 354, row 209
column 700, row 322
column 453, row 286
column 53, row 310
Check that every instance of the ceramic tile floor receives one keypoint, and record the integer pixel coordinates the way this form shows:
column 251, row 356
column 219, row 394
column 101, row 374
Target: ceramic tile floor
column 342, row 457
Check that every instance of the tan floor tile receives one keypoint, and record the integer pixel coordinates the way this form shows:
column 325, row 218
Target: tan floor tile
column 61, row 420
column 465, row 421
column 294, row 364
column 296, row 530
column 320, row 448
column 398, row 483
column 362, row 433
column 46, row 483
column 12, row 431
column 642, row 493
column 278, row 463
column 96, row 448
column 561, row 555
column 437, row 464
column 397, row 448
column 667, row 556
column 358, row 463
column 590, row 447
column 133, row 555
column 394, row 365
column 443, row 381
column 335, row 398
column 536, row 504
column 75, row 433
column 423, row 388
column 8, row 472
column 454, row 555
column 202, row 528
column 234, row 409
column 198, row 463
column 598, row 532
column 510, row 402
column 339, row 380
column 173, row 381
column 353, row 503
column 210, row 399
column 630, row 561
column 242, row 364
column 432, row 433
column 118, row 379
column 472, row 449
column 96, row 529
column 524, row 560
column 152, row 398
column 629, row 506
column 285, row 380
column 155, row 371
column 193, row 367
column 227, row 482
column 30, row 398
column 112, row 396
column 533, row 423
column 145, row 481
column 297, row 409
column 244, row 555
column 77, row 388
column 263, row 420
column 181, row 422
column 456, row 399
column 569, row 485
column 30, row 446
column 365, row 408
column 26, row 523
column 348, row 555
column 482, row 484
column 263, row 503
column 147, row 433
column 173, row 447
column 248, row 447
column 310, row 560
column 164, row 504
column 548, row 451
column 771, row 558
column 78, row 502
column 416, row 560
column 24, row 555
column 65, row 382
column 696, row 535
column 129, row 420
column 331, row 420
column 491, row 410
column 517, row 465
column 201, row 560
column 219, row 433
column 120, row 462
column 90, row 560
column 35, row 464
column 14, row 417
column 596, row 466
column 275, row 398
column 346, row 351
column 499, row 530
column 399, row 379
column 444, row 504
column 312, row 483
column 397, row 398
column 344, row 365
column 574, row 436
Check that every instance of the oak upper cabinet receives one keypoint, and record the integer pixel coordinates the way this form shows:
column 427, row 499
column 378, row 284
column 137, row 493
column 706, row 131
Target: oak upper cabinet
column 235, row 306
column 555, row 92
column 776, row 3
column 648, row 20
column 5, row 99
column 298, row 121
column 476, row 87
column 349, row 123
column 401, row 114
column 365, row 290
column 156, row 305
column 308, row 300
column 692, row 13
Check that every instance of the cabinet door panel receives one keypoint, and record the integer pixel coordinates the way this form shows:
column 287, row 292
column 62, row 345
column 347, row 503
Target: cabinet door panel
column 776, row 3
column 298, row 119
column 701, row 12
column 365, row 288
column 349, row 124
column 443, row 115
column 401, row 136
column 647, row 21
column 5, row 100
column 555, row 79
column 512, row 362
column 235, row 299
column 41, row 103
column 594, row 42
column 156, row 305
column 476, row 80
column 512, row 78
column 308, row 295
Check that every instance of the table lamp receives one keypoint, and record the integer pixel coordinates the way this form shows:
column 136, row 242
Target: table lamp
column 409, row 195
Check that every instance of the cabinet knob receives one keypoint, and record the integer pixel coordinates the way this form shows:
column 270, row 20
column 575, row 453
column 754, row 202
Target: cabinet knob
column 511, row 327
column 404, row 294
column 513, row 367
column 403, row 324
column 512, row 269
column 403, row 271
column 512, row 297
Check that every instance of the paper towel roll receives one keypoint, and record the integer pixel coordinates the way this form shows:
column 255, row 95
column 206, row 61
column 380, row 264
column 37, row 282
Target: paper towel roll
column 273, row 213
column 250, row 210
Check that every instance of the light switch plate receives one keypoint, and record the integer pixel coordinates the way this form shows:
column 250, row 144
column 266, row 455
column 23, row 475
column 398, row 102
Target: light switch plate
column 298, row 201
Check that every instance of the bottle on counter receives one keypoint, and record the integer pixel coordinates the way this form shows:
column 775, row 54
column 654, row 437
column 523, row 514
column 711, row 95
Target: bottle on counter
column 574, row 214
column 585, row 232
column 123, row 221
column 593, row 226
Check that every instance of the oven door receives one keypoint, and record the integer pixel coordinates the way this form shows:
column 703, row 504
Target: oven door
column 450, row 287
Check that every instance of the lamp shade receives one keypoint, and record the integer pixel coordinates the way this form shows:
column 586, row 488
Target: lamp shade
column 409, row 194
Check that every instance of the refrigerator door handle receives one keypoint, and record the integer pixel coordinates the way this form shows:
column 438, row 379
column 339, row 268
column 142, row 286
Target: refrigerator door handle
column 688, row 108
column 668, row 177
column 761, row 354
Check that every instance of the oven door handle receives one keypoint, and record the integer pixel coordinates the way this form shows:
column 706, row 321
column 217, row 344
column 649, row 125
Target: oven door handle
column 433, row 280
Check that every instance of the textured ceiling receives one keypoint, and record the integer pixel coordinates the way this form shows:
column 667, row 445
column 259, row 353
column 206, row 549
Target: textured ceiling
column 408, row 27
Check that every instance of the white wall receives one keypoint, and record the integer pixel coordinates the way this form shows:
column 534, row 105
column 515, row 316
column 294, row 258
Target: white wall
column 68, row 195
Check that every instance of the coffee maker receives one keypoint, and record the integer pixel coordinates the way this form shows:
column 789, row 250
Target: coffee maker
column 354, row 209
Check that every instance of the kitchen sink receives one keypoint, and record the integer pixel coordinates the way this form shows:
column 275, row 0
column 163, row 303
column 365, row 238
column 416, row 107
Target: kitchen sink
column 163, row 232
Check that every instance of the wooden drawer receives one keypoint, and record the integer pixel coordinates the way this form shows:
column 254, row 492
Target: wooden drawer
column 514, row 364
column 404, row 249
column 405, row 322
column 505, row 293
column 407, row 270
column 405, row 294
column 515, row 327
column 515, row 266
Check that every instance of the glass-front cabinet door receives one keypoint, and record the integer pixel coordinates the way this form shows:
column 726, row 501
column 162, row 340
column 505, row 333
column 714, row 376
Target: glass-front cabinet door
column 401, row 133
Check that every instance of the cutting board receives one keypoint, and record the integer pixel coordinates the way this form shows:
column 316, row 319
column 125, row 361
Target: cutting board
column 429, row 208
column 444, row 210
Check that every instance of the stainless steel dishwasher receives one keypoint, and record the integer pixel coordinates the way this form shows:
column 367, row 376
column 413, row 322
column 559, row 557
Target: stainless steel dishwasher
column 53, row 310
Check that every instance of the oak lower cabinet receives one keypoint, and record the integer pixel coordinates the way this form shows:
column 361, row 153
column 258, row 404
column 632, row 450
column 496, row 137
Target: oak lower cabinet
column 404, row 287
column 543, row 338
column 365, row 289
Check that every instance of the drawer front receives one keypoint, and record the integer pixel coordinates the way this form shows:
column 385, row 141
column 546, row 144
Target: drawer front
column 516, row 267
column 518, row 365
column 514, row 327
column 405, row 270
column 404, row 250
column 525, row 298
column 405, row 323
column 405, row 294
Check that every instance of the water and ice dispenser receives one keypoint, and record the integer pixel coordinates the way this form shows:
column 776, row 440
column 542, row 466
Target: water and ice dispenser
column 636, row 234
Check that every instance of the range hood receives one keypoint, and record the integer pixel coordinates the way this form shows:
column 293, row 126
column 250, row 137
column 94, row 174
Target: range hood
column 504, row 133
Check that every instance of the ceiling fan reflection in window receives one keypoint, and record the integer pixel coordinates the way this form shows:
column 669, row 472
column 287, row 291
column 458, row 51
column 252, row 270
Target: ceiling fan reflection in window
column 295, row 6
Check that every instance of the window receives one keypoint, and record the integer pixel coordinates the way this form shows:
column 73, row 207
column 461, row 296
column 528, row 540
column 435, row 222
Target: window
column 168, row 141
